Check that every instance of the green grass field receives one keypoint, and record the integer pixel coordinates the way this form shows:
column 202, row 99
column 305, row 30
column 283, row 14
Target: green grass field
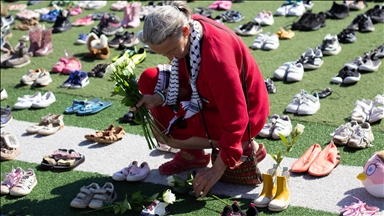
column 56, row 191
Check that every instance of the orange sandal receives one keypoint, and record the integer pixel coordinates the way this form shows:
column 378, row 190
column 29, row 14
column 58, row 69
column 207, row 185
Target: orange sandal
column 106, row 132
column 112, row 137
column 179, row 164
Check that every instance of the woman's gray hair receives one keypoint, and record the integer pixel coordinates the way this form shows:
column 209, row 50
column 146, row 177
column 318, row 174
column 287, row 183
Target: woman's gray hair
column 165, row 22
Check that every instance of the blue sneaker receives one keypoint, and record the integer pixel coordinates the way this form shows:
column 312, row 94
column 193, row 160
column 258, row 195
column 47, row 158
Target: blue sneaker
column 6, row 116
column 67, row 83
column 80, row 80
column 82, row 39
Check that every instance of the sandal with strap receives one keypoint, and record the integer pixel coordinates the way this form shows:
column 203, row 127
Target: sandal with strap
column 112, row 137
column 179, row 164
column 98, row 134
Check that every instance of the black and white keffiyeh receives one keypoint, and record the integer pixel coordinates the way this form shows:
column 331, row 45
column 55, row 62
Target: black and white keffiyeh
column 193, row 106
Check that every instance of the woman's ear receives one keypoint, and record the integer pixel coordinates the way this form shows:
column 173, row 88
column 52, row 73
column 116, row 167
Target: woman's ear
column 186, row 31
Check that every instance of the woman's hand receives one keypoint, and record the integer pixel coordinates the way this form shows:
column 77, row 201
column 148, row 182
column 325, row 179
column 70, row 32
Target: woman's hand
column 204, row 180
column 150, row 101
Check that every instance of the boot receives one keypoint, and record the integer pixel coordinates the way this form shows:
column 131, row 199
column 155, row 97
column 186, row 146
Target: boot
column 281, row 200
column 102, row 47
column 46, row 46
column 127, row 15
column 135, row 16
column 35, row 40
column 20, row 57
column 269, row 188
column 62, row 22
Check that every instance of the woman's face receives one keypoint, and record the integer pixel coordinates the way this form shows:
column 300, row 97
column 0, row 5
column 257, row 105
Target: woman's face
column 172, row 47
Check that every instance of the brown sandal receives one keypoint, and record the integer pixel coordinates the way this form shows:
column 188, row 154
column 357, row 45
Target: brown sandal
column 106, row 132
column 117, row 135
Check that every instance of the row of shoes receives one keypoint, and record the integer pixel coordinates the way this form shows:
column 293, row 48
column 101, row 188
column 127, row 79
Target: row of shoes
column 133, row 172
column 107, row 136
column 353, row 135
column 290, row 8
column 6, row 115
column 318, row 162
column 36, row 100
column 35, row 77
column 94, row 196
column 266, row 41
column 27, row 14
column 235, row 209
column 48, row 125
column 368, row 110
column 304, row 103
column 19, row 182
column 277, row 126
column 87, row 107
column 10, row 147
column 77, row 79
column 62, row 160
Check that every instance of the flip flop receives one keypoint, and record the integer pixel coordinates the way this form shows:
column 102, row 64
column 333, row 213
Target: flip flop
column 327, row 160
column 302, row 164
column 68, row 164
column 92, row 108
column 78, row 104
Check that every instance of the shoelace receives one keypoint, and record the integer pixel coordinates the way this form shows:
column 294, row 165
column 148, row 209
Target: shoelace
column 13, row 177
column 359, row 208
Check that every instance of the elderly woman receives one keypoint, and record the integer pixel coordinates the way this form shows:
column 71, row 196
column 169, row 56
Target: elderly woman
column 212, row 95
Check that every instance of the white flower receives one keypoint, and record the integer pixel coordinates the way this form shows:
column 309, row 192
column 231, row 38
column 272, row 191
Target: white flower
column 169, row 197
column 299, row 128
column 109, row 70
column 171, row 181
column 120, row 60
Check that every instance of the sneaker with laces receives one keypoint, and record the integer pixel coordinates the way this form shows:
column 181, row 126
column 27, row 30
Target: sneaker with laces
column 361, row 137
column 25, row 185
column 355, row 63
column 376, row 13
column 304, row 19
column 80, row 79
column 31, row 76
column 44, row 78
column 67, row 83
column 370, row 62
column 355, row 23
column 310, row 104
column 330, row 45
column 282, row 126
column 117, row 40
column 315, row 61
column 249, row 29
column 130, row 40
column 315, row 22
column 338, row 11
column 346, row 76
column 347, row 36
column 112, row 26
column 11, row 179
column 341, row 135
column 295, row 72
column 156, row 208
column 380, row 51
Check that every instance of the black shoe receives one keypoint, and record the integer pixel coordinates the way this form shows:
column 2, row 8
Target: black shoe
column 130, row 40
column 128, row 117
column 347, row 36
column 112, row 26
column 271, row 88
column 102, row 24
column 302, row 21
column 315, row 22
column 236, row 209
column 252, row 210
column 62, row 22
column 376, row 13
column 365, row 24
column 355, row 23
column 117, row 40
column 227, row 211
column 338, row 11
column 325, row 93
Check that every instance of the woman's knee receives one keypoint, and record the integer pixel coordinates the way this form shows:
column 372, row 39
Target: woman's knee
column 148, row 80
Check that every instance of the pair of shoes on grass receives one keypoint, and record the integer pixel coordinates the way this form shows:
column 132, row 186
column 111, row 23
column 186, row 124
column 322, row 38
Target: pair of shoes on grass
column 107, row 136
column 48, row 125
column 19, row 182
column 94, row 196
column 62, row 160
column 133, row 172
column 10, row 147
column 316, row 161
column 235, row 209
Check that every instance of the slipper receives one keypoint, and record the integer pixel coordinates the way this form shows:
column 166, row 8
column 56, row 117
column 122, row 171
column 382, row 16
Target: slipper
column 77, row 104
column 302, row 164
column 179, row 164
column 68, row 164
column 327, row 160
column 92, row 108
column 10, row 140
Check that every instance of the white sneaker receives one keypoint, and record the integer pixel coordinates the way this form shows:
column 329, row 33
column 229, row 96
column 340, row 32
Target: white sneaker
column 44, row 101
column 283, row 126
column 283, row 9
column 330, row 45
column 296, row 101
column 297, row 9
column 25, row 185
column 138, row 173
column 123, row 173
column 268, row 127
column 281, row 71
column 267, row 19
column 85, row 196
column 156, row 208
column 44, row 78
column 4, row 94
column 248, row 29
column 30, row 77
column 371, row 62
column 362, row 110
column 271, row 42
column 295, row 72
column 312, row 60
column 259, row 17
column 26, row 101
column 310, row 104
column 259, row 41
column 93, row 5
column 342, row 134
column 377, row 110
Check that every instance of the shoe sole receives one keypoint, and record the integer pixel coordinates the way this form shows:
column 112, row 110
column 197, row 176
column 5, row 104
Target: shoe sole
column 22, row 65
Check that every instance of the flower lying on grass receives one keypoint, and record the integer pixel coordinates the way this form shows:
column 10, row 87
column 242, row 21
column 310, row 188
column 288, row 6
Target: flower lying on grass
column 121, row 72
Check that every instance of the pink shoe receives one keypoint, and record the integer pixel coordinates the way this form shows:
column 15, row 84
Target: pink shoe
column 12, row 179
column 214, row 5
column 83, row 21
column 73, row 64
column 135, row 15
column 58, row 67
column 127, row 15
column 75, row 11
column 225, row 5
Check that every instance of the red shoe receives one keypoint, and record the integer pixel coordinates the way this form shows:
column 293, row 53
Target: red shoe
column 179, row 164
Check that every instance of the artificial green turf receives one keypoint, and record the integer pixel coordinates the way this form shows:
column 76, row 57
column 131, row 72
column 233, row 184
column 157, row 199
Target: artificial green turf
column 56, row 190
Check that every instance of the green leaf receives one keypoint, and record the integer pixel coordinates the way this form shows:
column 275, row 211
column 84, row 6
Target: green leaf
column 123, row 208
column 273, row 157
column 126, row 203
column 116, row 209
column 128, row 102
column 134, row 85
column 285, row 141
column 151, row 198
